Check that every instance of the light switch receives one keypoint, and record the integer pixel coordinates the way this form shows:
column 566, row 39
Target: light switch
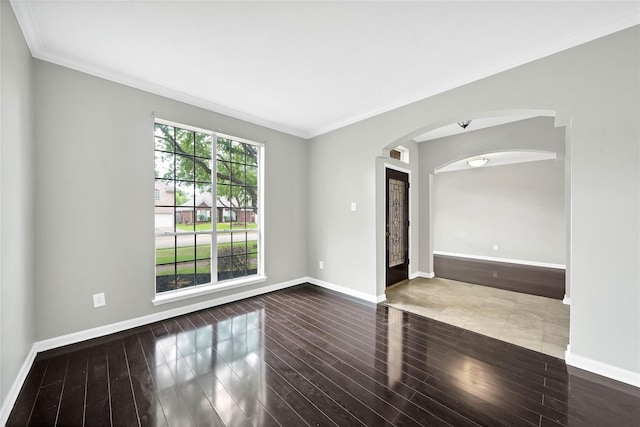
column 353, row 206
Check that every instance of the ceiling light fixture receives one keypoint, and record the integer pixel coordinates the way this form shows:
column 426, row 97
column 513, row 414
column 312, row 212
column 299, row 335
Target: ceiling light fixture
column 476, row 163
column 463, row 124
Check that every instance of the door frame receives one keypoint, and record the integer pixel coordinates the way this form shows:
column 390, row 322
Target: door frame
column 387, row 168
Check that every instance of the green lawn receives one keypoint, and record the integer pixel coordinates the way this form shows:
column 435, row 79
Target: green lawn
column 220, row 226
column 191, row 253
column 189, row 227
column 184, row 253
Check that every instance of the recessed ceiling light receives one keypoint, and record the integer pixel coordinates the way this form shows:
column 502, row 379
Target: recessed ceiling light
column 476, row 163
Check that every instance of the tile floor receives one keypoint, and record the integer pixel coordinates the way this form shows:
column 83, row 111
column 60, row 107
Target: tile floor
column 533, row 322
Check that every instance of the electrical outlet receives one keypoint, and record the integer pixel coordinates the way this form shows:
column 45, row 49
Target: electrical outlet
column 321, row 265
column 495, row 247
column 99, row 300
column 353, row 206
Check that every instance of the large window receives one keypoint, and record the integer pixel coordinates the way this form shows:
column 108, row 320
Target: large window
column 204, row 226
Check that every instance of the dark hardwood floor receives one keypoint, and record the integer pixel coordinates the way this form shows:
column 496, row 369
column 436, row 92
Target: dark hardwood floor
column 529, row 279
column 305, row 356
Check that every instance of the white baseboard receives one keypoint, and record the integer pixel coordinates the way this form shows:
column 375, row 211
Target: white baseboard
column 507, row 260
column 100, row 331
column 381, row 298
column 343, row 290
column 601, row 368
column 422, row 274
column 566, row 300
column 15, row 388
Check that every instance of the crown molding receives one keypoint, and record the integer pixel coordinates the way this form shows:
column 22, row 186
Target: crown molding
column 29, row 27
column 26, row 20
column 620, row 23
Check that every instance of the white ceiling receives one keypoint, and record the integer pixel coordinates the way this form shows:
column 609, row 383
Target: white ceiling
column 308, row 67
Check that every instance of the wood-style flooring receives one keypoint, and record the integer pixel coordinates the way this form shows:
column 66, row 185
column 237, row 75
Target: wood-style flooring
column 305, row 356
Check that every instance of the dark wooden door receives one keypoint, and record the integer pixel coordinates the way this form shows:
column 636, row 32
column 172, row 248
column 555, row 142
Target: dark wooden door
column 397, row 233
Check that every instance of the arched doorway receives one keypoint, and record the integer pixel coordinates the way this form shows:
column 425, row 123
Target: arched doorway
column 434, row 160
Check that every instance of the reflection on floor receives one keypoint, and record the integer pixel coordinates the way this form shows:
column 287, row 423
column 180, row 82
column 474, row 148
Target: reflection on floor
column 533, row 322
column 309, row 357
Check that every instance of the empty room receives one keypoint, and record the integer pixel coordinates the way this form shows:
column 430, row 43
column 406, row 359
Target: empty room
column 146, row 280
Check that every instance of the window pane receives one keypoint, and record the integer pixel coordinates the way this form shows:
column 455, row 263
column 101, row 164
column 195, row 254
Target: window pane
column 252, row 241
column 185, row 247
column 251, row 154
column 185, row 167
column 223, row 149
column 165, row 276
column 237, row 152
column 239, row 243
column 203, row 170
column 184, row 141
column 203, row 271
column 203, row 145
column 165, row 250
column 252, row 176
column 185, row 210
column 237, row 174
column 162, row 144
column 224, row 268
column 238, row 199
column 223, row 172
column 239, row 266
column 164, row 165
column 163, row 130
column 252, row 263
column 185, row 275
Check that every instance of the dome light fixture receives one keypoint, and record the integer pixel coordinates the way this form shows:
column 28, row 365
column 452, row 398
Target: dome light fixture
column 477, row 162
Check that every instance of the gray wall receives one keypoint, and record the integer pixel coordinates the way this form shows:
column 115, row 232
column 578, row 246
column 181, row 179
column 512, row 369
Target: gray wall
column 594, row 89
column 17, row 263
column 521, row 207
column 94, row 197
column 518, row 207
column 92, row 206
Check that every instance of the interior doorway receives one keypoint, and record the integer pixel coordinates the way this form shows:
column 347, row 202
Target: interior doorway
column 397, row 226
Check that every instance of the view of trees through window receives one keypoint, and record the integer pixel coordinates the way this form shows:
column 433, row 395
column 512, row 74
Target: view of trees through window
column 196, row 223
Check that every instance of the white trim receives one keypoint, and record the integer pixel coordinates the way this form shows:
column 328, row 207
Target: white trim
column 343, row 290
column 100, row 331
column 595, row 32
column 24, row 15
column 76, row 337
column 404, row 168
column 422, row 274
column 381, row 298
column 31, row 33
column 184, row 126
column 507, row 260
column 566, row 300
column 14, row 390
column 181, row 294
column 601, row 368
column 218, row 286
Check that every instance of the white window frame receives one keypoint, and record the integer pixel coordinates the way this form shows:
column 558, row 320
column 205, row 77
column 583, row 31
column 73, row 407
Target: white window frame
column 215, row 285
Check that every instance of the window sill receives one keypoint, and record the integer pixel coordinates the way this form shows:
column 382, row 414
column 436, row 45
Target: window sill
column 178, row 295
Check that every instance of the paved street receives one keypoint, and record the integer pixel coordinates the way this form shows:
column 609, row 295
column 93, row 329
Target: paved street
column 201, row 239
